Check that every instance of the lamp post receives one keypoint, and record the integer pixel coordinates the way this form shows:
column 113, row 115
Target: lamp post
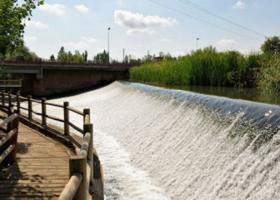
column 196, row 44
column 123, row 55
column 109, row 28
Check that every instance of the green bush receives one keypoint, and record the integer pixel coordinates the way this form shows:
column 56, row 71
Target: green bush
column 270, row 76
column 205, row 67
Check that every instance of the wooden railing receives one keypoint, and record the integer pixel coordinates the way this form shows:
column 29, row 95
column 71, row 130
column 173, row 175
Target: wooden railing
column 8, row 140
column 84, row 167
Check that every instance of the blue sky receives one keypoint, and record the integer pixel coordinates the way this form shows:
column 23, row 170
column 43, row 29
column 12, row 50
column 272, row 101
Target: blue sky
column 139, row 26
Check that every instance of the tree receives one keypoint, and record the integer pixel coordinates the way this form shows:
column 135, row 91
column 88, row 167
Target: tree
column 271, row 45
column 62, row 55
column 85, row 56
column 13, row 15
column 52, row 58
column 21, row 53
column 101, row 58
column 69, row 57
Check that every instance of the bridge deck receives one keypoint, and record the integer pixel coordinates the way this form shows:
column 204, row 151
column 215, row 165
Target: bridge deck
column 41, row 170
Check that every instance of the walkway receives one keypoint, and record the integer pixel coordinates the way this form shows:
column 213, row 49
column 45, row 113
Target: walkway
column 41, row 170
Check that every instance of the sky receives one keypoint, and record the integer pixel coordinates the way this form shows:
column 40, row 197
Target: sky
column 142, row 26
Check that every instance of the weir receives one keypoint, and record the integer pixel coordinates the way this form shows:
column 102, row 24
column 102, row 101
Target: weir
column 157, row 143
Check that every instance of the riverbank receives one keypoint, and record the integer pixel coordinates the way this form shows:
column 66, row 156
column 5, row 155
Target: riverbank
column 207, row 67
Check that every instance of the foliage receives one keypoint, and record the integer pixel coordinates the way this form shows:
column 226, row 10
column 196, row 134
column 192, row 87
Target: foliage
column 68, row 57
column 271, row 45
column 270, row 79
column 12, row 22
column 101, row 58
column 202, row 67
column 21, row 53
column 52, row 58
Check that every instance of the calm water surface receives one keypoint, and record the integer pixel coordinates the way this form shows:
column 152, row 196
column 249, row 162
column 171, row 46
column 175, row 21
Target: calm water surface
column 251, row 94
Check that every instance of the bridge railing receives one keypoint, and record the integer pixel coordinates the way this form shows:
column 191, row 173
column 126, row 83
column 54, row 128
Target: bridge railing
column 8, row 140
column 84, row 168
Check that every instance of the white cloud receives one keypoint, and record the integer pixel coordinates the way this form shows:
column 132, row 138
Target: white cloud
column 85, row 43
column 36, row 25
column 81, row 8
column 240, row 4
column 226, row 44
column 137, row 22
column 56, row 9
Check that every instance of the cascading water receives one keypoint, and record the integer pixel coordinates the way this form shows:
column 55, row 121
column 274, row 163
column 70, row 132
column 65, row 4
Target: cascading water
column 166, row 144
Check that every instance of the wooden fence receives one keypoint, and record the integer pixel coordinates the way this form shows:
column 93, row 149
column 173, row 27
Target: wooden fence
column 8, row 140
column 84, row 168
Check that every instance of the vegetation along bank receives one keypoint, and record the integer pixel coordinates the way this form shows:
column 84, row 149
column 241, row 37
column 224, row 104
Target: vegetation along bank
column 208, row 67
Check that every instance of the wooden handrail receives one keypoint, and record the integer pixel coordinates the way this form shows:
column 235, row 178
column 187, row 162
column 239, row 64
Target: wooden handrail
column 54, row 104
column 55, row 118
column 9, row 141
column 8, row 120
column 75, row 111
column 4, row 140
column 81, row 166
column 76, row 127
column 71, row 188
column 6, row 153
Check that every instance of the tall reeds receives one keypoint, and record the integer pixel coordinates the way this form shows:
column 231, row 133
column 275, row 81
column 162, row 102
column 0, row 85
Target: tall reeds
column 205, row 67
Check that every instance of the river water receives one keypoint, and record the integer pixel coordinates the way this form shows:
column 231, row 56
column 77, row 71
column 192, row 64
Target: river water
column 159, row 143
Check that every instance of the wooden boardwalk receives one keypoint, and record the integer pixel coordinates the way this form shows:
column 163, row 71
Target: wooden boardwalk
column 41, row 170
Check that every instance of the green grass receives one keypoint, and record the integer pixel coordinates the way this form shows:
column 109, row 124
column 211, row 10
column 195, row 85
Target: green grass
column 205, row 67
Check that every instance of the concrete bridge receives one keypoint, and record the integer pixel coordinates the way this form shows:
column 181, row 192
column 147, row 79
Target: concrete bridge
column 53, row 78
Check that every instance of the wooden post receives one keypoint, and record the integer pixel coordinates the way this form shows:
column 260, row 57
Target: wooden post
column 66, row 118
column 86, row 112
column 18, row 103
column 78, row 165
column 89, row 128
column 10, row 102
column 44, row 112
column 29, row 97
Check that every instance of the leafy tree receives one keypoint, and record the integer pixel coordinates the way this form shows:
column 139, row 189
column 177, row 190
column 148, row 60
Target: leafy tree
column 21, row 53
column 77, row 57
column 69, row 57
column 13, row 14
column 52, row 58
column 101, row 58
column 271, row 45
column 62, row 55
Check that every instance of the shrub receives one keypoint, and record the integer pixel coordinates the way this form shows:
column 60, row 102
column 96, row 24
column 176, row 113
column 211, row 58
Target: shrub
column 270, row 78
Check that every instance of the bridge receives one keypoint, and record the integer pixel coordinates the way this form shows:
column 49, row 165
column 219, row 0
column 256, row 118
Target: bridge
column 42, row 161
column 53, row 78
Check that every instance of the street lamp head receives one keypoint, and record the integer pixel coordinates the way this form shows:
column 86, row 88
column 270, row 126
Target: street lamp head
column 109, row 28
